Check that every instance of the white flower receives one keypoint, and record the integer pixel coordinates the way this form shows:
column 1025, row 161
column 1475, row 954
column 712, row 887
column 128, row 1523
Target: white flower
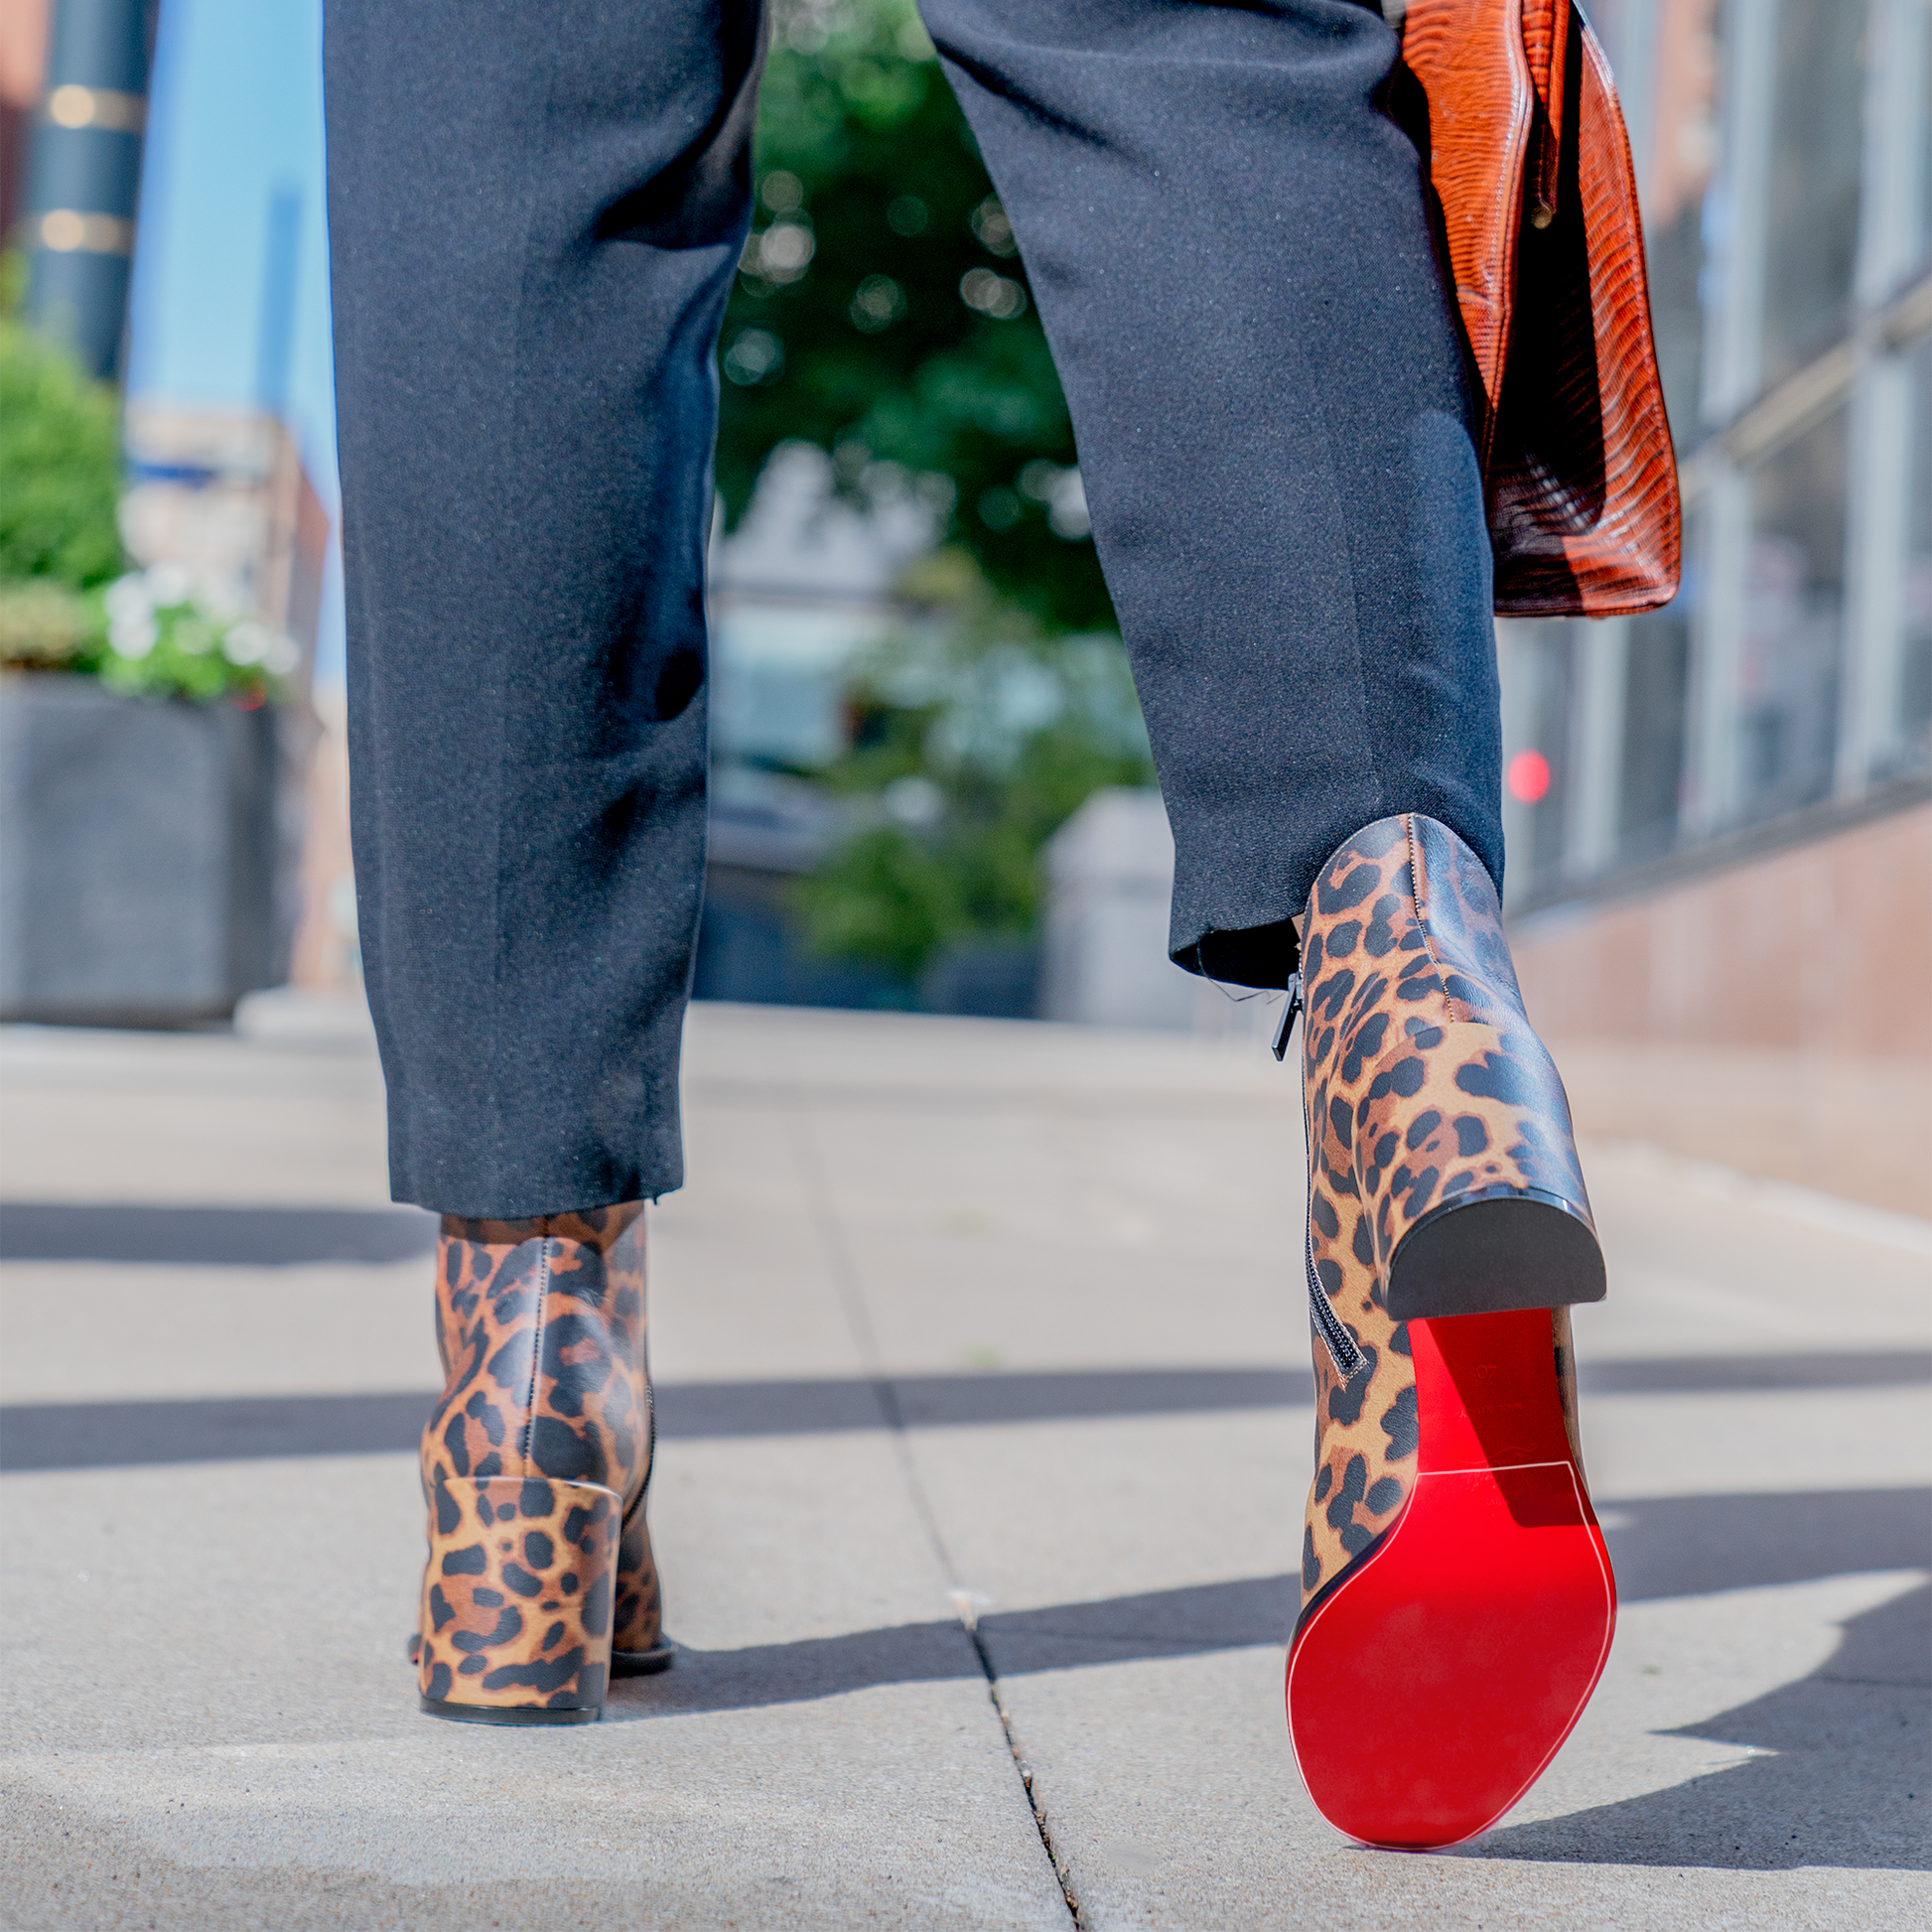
column 170, row 584
column 128, row 598
column 281, row 657
column 246, row 642
column 133, row 636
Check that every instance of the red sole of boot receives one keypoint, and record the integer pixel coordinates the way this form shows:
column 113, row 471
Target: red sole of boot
column 1429, row 1688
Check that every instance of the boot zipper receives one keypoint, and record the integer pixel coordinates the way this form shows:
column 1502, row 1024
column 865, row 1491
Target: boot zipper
column 1342, row 1351
column 1347, row 1358
column 1289, row 1012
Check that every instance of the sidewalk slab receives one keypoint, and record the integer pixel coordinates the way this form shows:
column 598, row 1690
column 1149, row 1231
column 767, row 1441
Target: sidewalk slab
column 1093, row 1546
column 86, row 1332
column 206, row 1685
column 1170, row 1790
column 958, row 1323
column 190, row 1118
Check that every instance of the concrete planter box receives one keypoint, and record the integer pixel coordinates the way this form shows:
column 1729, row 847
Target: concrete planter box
column 138, row 848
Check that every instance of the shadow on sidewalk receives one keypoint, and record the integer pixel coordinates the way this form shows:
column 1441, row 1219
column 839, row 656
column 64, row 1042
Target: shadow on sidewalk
column 1845, row 1783
column 119, row 1435
column 1121, row 1629
column 1671, row 1545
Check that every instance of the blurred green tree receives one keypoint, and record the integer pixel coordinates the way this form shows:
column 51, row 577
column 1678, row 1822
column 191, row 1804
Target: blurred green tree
column 973, row 742
column 60, row 459
column 881, row 311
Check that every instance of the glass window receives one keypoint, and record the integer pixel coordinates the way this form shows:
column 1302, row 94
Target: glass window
column 1812, row 191
column 1607, row 19
column 1922, row 144
column 1675, row 175
column 1656, row 708
column 1673, row 256
column 1794, row 622
column 1915, row 666
column 1540, row 669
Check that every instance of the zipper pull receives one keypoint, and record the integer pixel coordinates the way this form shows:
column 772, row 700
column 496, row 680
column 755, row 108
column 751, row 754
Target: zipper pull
column 1289, row 1012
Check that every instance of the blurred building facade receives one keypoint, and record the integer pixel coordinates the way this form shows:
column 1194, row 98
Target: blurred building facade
column 73, row 86
column 224, row 494
column 22, row 69
column 1719, row 814
column 798, row 595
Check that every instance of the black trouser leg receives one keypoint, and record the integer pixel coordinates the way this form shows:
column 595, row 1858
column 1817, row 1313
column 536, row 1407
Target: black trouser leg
column 1228, row 243
column 535, row 212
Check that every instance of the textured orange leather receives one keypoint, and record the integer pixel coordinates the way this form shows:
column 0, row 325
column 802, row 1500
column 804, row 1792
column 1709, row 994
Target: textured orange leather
column 1470, row 57
column 1531, row 169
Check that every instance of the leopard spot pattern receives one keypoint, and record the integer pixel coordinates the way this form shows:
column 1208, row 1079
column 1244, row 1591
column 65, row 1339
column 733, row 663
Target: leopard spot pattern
column 1424, row 1081
column 541, row 1329
column 518, row 1594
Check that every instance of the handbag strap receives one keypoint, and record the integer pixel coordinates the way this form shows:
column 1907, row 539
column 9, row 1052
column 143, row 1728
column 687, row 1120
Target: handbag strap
column 1545, row 44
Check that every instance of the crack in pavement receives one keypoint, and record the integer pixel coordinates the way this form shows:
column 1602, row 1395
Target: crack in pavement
column 845, row 1276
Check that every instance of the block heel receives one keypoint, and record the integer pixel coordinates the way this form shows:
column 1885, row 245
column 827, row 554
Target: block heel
column 1494, row 1250
column 642, row 1663
column 1435, row 1678
column 517, row 1600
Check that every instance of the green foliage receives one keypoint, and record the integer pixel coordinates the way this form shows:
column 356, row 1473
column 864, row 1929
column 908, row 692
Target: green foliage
column 46, row 627
column 163, row 641
column 147, row 634
column 59, row 464
column 882, row 312
column 881, row 900
column 974, row 743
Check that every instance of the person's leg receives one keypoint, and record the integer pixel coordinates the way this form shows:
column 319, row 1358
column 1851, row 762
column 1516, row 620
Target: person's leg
column 535, row 212
column 1229, row 245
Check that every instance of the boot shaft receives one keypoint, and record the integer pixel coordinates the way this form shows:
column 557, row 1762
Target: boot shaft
column 1434, row 1113
column 541, row 1326
column 540, row 1583
column 1427, row 1090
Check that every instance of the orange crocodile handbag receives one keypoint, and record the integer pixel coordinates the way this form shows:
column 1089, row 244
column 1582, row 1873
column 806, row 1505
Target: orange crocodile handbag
column 1529, row 161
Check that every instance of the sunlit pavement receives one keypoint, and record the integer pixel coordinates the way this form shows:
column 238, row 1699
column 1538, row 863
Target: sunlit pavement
column 985, row 1410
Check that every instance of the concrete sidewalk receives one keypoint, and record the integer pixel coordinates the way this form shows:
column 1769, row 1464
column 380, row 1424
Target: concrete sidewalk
column 985, row 1390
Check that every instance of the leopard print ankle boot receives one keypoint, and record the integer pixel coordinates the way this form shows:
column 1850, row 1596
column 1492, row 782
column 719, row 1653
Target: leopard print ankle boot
column 1449, row 1230
column 540, row 1583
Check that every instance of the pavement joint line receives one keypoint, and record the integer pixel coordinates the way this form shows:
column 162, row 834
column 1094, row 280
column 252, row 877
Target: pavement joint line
column 818, row 1179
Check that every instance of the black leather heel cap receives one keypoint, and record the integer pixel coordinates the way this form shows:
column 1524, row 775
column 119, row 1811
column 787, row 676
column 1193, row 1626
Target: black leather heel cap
column 1489, row 1253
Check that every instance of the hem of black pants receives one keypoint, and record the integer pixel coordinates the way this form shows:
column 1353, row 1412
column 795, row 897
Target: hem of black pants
column 534, row 1203
column 1264, row 954
column 1258, row 955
